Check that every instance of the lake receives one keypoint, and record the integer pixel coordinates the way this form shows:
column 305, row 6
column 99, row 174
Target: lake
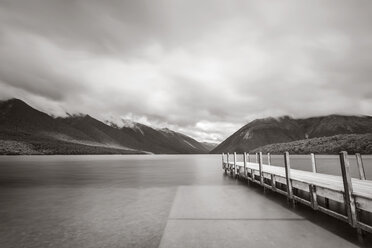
column 108, row 200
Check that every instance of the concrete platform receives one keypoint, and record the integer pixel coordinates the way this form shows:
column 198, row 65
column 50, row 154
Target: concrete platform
column 226, row 202
column 235, row 216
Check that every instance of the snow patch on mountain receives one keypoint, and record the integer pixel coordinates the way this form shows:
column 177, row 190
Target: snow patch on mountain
column 247, row 135
column 133, row 125
column 166, row 130
column 189, row 143
column 125, row 123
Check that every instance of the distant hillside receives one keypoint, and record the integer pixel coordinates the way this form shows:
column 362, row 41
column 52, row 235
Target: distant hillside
column 330, row 125
column 351, row 143
column 142, row 137
column 209, row 146
column 262, row 132
column 25, row 130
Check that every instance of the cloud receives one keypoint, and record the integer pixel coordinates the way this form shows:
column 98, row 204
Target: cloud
column 202, row 68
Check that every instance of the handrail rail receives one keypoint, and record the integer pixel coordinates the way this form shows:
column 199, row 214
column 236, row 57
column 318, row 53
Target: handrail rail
column 309, row 183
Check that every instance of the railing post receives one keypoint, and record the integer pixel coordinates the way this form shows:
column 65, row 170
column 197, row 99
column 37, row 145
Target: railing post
column 256, row 157
column 235, row 167
column 348, row 189
column 288, row 177
column 245, row 164
column 313, row 197
column 260, row 167
column 223, row 164
column 272, row 177
column 313, row 162
column 268, row 158
column 273, row 182
column 362, row 173
column 228, row 161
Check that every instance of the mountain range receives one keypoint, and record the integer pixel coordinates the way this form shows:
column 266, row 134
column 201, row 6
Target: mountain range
column 25, row 130
column 333, row 132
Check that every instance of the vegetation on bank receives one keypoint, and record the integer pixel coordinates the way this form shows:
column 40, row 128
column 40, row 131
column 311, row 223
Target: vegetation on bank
column 45, row 147
column 352, row 143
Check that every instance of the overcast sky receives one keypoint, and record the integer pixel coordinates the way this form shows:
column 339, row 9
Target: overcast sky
column 204, row 68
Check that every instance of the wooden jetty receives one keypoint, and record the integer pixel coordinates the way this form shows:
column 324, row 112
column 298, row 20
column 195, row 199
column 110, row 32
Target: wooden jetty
column 344, row 198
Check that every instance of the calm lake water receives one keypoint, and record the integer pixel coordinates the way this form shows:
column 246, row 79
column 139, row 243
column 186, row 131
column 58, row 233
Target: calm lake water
column 107, row 201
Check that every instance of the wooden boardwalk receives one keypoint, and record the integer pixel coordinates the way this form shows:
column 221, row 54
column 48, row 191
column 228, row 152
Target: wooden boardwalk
column 345, row 198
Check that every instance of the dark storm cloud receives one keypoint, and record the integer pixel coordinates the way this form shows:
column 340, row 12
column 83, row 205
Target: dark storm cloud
column 200, row 67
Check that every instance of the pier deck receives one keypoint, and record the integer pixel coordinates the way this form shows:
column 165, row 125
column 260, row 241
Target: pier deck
column 315, row 190
column 361, row 188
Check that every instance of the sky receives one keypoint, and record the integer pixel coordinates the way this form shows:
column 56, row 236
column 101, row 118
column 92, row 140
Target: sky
column 204, row 68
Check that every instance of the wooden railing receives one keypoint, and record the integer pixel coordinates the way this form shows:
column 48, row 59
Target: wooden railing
column 313, row 189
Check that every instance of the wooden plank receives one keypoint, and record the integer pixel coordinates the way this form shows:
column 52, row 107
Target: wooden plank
column 260, row 167
column 268, row 158
column 333, row 214
column 365, row 227
column 266, row 175
column 326, row 203
column 281, row 192
column 313, row 197
column 348, row 189
column 330, row 194
column 281, row 180
column 362, row 173
column 273, row 182
column 288, row 176
column 235, row 166
column 303, row 201
column 248, row 174
column 300, row 185
column 250, row 177
column 245, row 163
column 313, row 163
column 227, row 159
column 223, row 164
column 363, row 203
column 267, row 186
